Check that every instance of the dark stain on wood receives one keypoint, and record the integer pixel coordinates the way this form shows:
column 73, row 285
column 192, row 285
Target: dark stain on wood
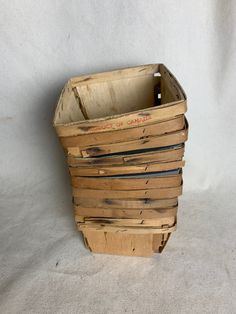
column 146, row 200
column 84, row 128
column 93, row 150
column 108, row 201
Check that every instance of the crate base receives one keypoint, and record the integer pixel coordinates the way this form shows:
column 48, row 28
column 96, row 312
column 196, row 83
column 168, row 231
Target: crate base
column 125, row 244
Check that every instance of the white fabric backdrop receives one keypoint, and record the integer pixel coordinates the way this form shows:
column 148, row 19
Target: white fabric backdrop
column 44, row 265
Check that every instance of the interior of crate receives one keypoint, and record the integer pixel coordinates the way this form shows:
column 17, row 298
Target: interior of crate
column 98, row 96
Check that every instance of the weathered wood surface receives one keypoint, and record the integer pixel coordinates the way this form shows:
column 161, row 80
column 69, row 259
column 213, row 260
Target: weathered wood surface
column 119, row 143
column 125, row 121
column 125, row 203
column 172, row 138
column 123, row 244
column 126, row 183
column 123, row 135
column 132, row 194
column 119, row 170
column 142, row 213
column 163, row 155
column 126, row 222
column 127, row 229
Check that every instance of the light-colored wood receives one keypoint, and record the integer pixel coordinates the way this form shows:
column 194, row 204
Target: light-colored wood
column 126, row 183
column 147, row 69
column 143, row 168
column 119, row 243
column 124, row 121
column 132, row 194
column 168, row 154
column 67, row 110
column 170, row 84
column 125, row 203
column 159, row 241
column 143, row 213
column 127, row 230
column 172, row 138
column 123, row 135
column 116, row 97
column 127, row 222
column 113, row 97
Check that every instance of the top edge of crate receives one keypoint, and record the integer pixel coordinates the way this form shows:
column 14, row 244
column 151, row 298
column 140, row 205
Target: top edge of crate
column 149, row 69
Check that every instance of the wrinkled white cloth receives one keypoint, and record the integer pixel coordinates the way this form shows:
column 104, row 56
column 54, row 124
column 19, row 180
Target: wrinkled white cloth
column 44, row 267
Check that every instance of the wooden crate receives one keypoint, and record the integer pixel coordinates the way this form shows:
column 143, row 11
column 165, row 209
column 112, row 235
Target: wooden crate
column 123, row 133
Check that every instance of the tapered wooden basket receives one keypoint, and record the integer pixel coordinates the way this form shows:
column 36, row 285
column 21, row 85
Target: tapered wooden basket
column 123, row 133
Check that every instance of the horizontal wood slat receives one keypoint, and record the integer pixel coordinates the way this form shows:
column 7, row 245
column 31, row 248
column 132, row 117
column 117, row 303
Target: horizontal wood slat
column 124, row 121
column 139, row 194
column 143, row 213
column 125, row 203
column 169, row 154
column 128, row 230
column 143, row 168
column 173, row 138
column 127, row 222
column 127, row 183
column 123, row 135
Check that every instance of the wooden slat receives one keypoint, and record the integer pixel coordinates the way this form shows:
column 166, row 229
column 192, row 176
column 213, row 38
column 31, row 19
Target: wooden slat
column 169, row 154
column 124, row 121
column 117, row 170
column 126, row 213
column 149, row 142
column 124, row 134
column 126, row 230
column 125, row 203
column 126, row 183
column 119, row 243
column 127, row 222
column 118, row 194
column 147, row 69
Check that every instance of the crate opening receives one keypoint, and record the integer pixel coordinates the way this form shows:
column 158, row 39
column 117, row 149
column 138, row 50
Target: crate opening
column 99, row 97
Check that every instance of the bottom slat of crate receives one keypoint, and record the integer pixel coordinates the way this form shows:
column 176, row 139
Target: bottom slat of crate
column 119, row 243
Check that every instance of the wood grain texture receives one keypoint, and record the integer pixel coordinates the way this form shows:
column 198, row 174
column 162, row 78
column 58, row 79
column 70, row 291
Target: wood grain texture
column 172, row 138
column 142, row 213
column 162, row 193
column 123, row 135
column 126, row 222
column 126, row 229
column 123, row 132
column 125, row 203
column 129, row 120
column 168, row 154
column 119, row 170
column 126, row 183
column 120, row 243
